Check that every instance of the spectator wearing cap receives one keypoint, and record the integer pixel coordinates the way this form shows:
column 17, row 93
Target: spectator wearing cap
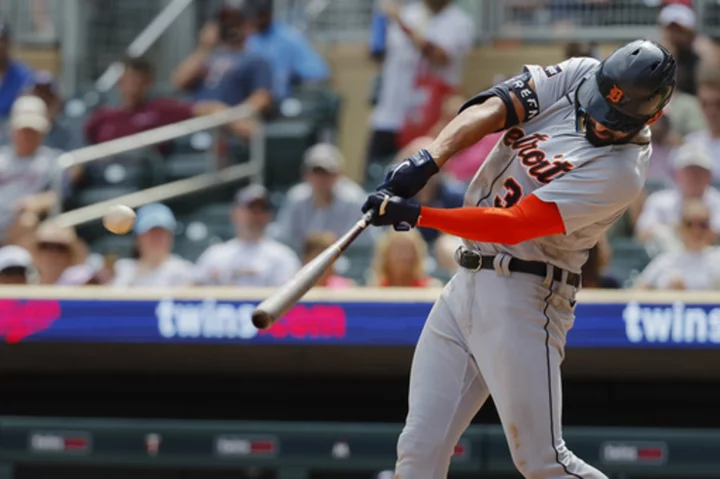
column 61, row 136
column 251, row 258
column 16, row 266
column 139, row 112
column 694, row 266
column 325, row 201
column 678, row 32
column 661, row 213
column 222, row 69
column 292, row 57
column 26, row 167
column 60, row 256
column 156, row 265
column 16, row 76
column 709, row 98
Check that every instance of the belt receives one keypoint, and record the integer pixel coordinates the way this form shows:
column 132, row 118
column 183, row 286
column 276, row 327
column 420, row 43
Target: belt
column 474, row 261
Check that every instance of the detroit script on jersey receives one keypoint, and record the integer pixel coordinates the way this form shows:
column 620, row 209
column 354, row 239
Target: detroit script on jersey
column 547, row 156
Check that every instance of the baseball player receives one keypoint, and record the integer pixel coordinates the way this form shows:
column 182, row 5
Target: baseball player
column 573, row 155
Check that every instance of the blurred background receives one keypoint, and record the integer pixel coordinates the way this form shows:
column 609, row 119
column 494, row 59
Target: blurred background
column 246, row 135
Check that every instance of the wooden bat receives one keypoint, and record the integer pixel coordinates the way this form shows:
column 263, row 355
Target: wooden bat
column 282, row 300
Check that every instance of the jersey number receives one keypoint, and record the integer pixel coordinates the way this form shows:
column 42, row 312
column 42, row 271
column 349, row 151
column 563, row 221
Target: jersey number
column 513, row 193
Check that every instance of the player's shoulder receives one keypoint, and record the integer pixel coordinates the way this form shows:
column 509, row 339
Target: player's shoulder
column 568, row 72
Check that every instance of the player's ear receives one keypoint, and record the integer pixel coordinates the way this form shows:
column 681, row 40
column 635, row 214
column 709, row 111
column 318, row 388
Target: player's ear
column 655, row 118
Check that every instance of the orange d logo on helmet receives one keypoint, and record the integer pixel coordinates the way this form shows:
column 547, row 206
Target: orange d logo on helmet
column 615, row 94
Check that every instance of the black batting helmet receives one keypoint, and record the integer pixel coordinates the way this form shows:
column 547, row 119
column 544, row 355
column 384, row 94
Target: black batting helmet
column 629, row 87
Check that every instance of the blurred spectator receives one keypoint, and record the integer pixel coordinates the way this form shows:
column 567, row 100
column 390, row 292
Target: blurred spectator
column 399, row 260
column 440, row 190
column 316, row 243
column 138, row 112
column 685, row 114
column 594, row 270
column 16, row 76
column 426, row 44
column 657, row 224
column 156, row 265
column 326, row 200
column 16, row 266
column 665, row 142
column 26, row 167
column 695, row 266
column 221, row 68
column 251, row 259
column 444, row 248
column 61, row 136
column 465, row 164
column 59, row 255
column 709, row 98
column 678, row 33
column 577, row 49
column 292, row 57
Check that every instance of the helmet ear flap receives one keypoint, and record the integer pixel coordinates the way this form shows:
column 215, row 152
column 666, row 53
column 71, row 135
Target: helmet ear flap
column 654, row 118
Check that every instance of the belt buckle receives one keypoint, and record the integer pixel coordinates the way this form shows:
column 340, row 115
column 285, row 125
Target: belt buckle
column 461, row 251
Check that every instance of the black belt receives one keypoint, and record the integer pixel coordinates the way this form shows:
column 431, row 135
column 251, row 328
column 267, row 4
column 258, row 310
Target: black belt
column 474, row 261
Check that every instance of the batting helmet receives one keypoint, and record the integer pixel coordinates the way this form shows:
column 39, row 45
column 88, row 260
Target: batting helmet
column 629, row 87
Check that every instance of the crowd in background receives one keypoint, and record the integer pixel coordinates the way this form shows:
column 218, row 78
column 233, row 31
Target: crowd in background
column 245, row 56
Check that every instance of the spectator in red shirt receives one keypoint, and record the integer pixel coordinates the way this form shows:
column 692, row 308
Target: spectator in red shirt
column 138, row 112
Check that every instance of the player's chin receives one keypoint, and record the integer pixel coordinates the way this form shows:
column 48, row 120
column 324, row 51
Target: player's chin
column 607, row 139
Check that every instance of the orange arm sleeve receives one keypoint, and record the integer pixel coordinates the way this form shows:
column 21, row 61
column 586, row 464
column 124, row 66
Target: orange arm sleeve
column 529, row 219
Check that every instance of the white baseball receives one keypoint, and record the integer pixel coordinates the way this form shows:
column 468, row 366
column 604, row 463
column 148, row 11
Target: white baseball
column 119, row 219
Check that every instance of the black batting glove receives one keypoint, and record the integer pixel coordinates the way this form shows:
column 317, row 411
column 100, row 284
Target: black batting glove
column 409, row 177
column 392, row 210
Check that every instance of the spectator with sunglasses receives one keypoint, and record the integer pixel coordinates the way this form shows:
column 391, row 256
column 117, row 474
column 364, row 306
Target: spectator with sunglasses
column 657, row 224
column 695, row 266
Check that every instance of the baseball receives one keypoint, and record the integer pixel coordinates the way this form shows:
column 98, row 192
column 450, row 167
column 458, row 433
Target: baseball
column 119, row 219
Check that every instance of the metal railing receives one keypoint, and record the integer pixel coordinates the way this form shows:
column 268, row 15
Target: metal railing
column 254, row 168
column 144, row 41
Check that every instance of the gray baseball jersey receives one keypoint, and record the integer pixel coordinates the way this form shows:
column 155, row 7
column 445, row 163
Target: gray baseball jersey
column 592, row 186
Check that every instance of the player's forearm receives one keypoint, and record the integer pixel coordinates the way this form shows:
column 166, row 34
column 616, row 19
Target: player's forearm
column 531, row 218
column 466, row 129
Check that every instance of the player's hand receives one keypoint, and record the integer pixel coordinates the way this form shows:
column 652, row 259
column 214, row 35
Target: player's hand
column 392, row 210
column 409, row 177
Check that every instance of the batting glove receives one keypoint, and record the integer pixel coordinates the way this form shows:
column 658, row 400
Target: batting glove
column 409, row 177
column 392, row 210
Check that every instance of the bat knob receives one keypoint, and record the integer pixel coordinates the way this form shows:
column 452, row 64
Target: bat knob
column 261, row 319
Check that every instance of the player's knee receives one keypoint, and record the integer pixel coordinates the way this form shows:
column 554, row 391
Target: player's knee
column 413, row 444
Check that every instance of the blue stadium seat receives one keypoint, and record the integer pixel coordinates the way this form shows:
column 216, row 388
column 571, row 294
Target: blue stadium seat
column 185, row 165
column 286, row 142
column 629, row 258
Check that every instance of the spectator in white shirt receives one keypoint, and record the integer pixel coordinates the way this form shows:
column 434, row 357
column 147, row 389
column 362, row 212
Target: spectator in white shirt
column 251, row 258
column 156, row 265
column 16, row 266
column 326, row 201
column 425, row 39
column 26, row 168
column 708, row 94
column 657, row 225
column 695, row 267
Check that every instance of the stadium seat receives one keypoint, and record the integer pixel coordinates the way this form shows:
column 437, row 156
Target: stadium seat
column 355, row 263
column 192, row 249
column 186, row 165
column 629, row 259
column 286, row 142
column 212, row 220
column 109, row 244
column 139, row 168
column 95, row 194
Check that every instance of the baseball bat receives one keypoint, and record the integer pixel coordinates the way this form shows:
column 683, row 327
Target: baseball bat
column 282, row 300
